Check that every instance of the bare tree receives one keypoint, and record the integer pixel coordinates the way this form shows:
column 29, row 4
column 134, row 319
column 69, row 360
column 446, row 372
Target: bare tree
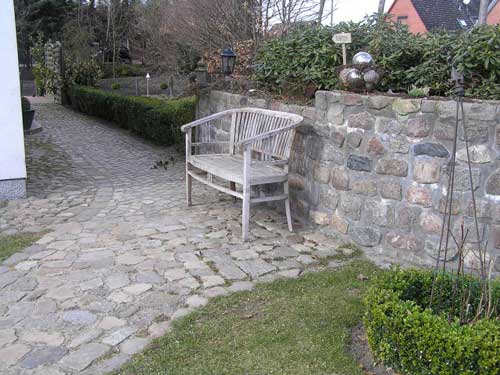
column 381, row 6
column 483, row 12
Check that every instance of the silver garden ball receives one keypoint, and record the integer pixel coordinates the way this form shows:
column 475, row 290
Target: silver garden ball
column 371, row 76
column 362, row 60
column 355, row 79
column 343, row 76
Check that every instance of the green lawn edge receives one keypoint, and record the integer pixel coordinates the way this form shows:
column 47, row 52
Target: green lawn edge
column 289, row 326
column 12, row 244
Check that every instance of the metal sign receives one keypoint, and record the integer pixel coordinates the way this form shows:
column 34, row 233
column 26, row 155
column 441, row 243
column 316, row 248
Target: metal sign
column 342, row 38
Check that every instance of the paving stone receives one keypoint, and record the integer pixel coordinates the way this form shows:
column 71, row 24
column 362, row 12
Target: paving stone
column 159, row 329
column 240, row 286
column 25, row 266
column 110, row 322
column 230, row 271
column 61, row 294
column 117, row 281
column 43, row 356
column 134, row 345
column 85, row 337
column 129, row 260
column 79, row 317
column 44, row 307
column 149, row 277
column 118, row 336
column 11, row 297
column 306, row 259
column 213, row 280
column 244, row 254
column 195, row 301
column 136, row 289
column 80, row 359
column 7, row 336
column 50, row 339
column 11, row 354
column 91, row 284
column 256, row 267
column 120, row 297
column 175, row 274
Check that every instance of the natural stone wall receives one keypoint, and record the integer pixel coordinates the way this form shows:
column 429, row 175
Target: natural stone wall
column 375, row 168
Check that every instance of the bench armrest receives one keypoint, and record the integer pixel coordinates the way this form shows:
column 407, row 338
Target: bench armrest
column 204, row 120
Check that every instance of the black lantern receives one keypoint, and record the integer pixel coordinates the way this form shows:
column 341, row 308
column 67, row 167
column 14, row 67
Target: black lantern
column 228, row 60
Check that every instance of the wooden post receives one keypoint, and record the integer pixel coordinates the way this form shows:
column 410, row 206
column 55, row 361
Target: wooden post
column 343, row 38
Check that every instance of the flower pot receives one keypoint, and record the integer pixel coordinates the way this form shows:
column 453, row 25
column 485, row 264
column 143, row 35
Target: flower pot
column 28, row 119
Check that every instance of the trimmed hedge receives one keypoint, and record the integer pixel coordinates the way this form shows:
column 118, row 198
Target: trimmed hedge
column 415, row 340
column 158, row 120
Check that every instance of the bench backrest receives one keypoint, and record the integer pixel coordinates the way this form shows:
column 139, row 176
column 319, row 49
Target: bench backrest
column 248, row 123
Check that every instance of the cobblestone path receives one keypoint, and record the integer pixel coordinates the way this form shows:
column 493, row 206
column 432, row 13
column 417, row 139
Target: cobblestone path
column 123, row 255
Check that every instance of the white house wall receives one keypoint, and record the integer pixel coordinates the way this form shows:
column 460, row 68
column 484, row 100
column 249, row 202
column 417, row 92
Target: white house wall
column 12, row 161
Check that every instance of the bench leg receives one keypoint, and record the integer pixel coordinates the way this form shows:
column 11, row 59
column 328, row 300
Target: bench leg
column 287, row 206
column 232, row 186
column 246, row 212
column 189, row 187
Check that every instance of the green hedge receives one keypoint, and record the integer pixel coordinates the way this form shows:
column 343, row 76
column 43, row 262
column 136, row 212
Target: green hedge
column 308, row 55
column 415, row 340
column 158, row 120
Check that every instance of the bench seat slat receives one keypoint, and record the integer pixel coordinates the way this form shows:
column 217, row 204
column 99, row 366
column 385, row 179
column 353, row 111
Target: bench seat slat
column 230, row 167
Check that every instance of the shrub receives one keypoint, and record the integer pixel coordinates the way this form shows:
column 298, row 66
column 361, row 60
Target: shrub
column 163, row 86
column 25, row 104
column 123, row 70
column 405, row 334
column 308, row 55
column 158, row 120
column 85, row 73
column 115, row 86
column 419, row 92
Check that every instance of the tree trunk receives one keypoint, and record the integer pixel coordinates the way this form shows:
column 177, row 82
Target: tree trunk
column 321, row 10
column 483, row 12
column 381, row 6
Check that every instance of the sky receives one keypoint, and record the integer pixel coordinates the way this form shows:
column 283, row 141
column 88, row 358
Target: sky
column 355, row 10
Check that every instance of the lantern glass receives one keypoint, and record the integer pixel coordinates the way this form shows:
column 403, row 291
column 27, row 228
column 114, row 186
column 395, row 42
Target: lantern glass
column 228, row 61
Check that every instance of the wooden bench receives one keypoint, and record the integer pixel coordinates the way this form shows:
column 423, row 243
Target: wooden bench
column 254, row 151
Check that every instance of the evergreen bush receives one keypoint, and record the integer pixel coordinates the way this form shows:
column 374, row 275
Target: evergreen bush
column 308, row 55
column 408, row 336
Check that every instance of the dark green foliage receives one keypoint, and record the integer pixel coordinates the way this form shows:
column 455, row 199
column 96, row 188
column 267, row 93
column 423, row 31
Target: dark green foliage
column 415, row 340
column 158, row 120
column 85, row 73
column 115, row 86
column 187, row 57
column 308, row 55
column 163, row 86
column 40, row 16
column 124, row 70
column 25, row 104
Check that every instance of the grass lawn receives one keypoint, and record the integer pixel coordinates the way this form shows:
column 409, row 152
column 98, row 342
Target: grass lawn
column 299, row 326
column 12, row 244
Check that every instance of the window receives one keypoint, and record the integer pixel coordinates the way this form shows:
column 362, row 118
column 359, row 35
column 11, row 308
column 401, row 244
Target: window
column 403, row 20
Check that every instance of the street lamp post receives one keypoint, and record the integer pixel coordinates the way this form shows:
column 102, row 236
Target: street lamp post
column 228, row 58
column 148, row 77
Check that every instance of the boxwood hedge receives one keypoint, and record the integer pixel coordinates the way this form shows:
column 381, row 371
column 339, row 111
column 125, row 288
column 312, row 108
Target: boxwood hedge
column 405, row 334
column 158, row 120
